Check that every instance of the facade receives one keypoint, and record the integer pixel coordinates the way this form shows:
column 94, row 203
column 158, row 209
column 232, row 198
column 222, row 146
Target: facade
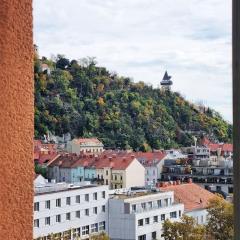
column 72, row 168
column 194, row 198
column 70, row 210
column 119, row 170
column 153, row 163
column 216, row 176
column 85, row 145
column 138, row 215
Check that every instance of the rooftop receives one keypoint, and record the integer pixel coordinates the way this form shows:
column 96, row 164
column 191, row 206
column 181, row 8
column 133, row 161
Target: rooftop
column 191, row 195
column 47, row 188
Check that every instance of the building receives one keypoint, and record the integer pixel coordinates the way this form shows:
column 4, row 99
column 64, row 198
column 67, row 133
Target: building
column 44, row 153
column 194, row 198
column 119, row 170
column 153, row 163
column 72, row 168
column 166, row 82
column 139, row 214
column 69, row 210
column 214, row 175
column 85, row 145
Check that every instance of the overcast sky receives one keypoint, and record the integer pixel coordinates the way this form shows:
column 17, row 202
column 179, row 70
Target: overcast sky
column 143, row 38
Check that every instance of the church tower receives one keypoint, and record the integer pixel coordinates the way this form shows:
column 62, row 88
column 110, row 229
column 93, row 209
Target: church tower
column 166, row 82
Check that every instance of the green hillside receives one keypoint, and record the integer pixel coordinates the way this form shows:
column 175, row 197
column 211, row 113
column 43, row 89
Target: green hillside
column 87, row 100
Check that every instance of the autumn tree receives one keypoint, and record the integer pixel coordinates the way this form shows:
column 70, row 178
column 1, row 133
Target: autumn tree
column 186, row 229
column 220, row 219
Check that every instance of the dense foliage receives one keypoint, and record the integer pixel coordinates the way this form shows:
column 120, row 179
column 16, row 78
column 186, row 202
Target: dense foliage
column 186, row 229
column 219, row 226
column 87, row 100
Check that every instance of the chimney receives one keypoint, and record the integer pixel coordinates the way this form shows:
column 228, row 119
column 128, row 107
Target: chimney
column 110, row 159
column 178, row 182
column 124, row 159
column 189, row 180
column 132, row 156
column 114, row 155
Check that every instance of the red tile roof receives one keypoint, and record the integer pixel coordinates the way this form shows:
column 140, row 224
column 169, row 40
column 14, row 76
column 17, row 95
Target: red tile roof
column 225, row 147
column 191, row 195
column 150, row 158
column 118, row 161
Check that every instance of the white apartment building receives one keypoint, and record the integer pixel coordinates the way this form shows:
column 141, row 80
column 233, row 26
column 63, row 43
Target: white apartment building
column 138, row 215
column 63, row 209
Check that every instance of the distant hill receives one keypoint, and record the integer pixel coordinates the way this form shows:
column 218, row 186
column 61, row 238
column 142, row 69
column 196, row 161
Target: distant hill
column 87, row 100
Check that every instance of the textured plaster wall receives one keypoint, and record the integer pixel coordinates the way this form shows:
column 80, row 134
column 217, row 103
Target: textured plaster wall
column 16, row 119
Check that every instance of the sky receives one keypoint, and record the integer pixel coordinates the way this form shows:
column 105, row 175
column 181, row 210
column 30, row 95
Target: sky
column 191, row 39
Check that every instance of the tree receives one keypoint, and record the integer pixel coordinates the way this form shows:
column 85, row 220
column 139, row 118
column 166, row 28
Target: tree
column 187, row 229
column 101, row 236
column 220, row 223
column 62, row 63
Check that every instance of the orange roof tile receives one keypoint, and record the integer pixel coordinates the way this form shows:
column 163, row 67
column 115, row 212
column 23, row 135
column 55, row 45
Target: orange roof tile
column 191, row 195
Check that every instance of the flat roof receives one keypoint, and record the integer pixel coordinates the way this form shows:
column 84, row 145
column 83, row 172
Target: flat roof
column 60, row 187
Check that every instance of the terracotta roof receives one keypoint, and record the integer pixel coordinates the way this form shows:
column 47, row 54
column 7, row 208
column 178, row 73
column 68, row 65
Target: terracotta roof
column 119, row 161
column 150, row 158
column 227, row 147
column 214, row 146
column 45, row 158
column 191, row 195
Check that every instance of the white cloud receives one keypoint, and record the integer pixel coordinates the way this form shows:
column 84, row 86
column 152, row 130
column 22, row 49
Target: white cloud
column 142, row 38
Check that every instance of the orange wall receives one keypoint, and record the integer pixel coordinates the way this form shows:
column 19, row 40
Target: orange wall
column 16, row 119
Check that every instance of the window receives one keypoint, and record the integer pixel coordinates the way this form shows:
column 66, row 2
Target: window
column 85, row 230
column 154, row 235
column 121, row 178
column 107, row 172
column 94, row 228
column 58, row 218
column 134, row 207
column 77, row 214
column 166, row 202
column 115, row 177
column 68, row 200
column 36, row 223
column 86, row 212
column 173, row 214
column 47, row 204
column 201, row 219
column 103, row 208
column 95, row 210
column 47, row 221
column 140, row 222
column 147, row 220
column 36, row 206
column 68, row 216
column 159, row 203
column 58, row 202
column 87, row 197
column 115, row 186
column 143, row 205
column 142, row 237
column 78, row 199
column 155, row 219
column 102, row 226
column 103, row 194
column 95, row 196
column 106, row 182
column 162, row 217
column 180, row 213
column 150, row 205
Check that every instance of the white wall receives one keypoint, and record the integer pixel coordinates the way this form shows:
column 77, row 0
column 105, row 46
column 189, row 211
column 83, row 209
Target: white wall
column 135, row 174
column 65, row 225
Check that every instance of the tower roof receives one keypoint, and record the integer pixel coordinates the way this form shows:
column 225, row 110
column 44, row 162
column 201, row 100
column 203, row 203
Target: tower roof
column 166, row 79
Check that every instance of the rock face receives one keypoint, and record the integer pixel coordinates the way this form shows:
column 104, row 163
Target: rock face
column 16, row 119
